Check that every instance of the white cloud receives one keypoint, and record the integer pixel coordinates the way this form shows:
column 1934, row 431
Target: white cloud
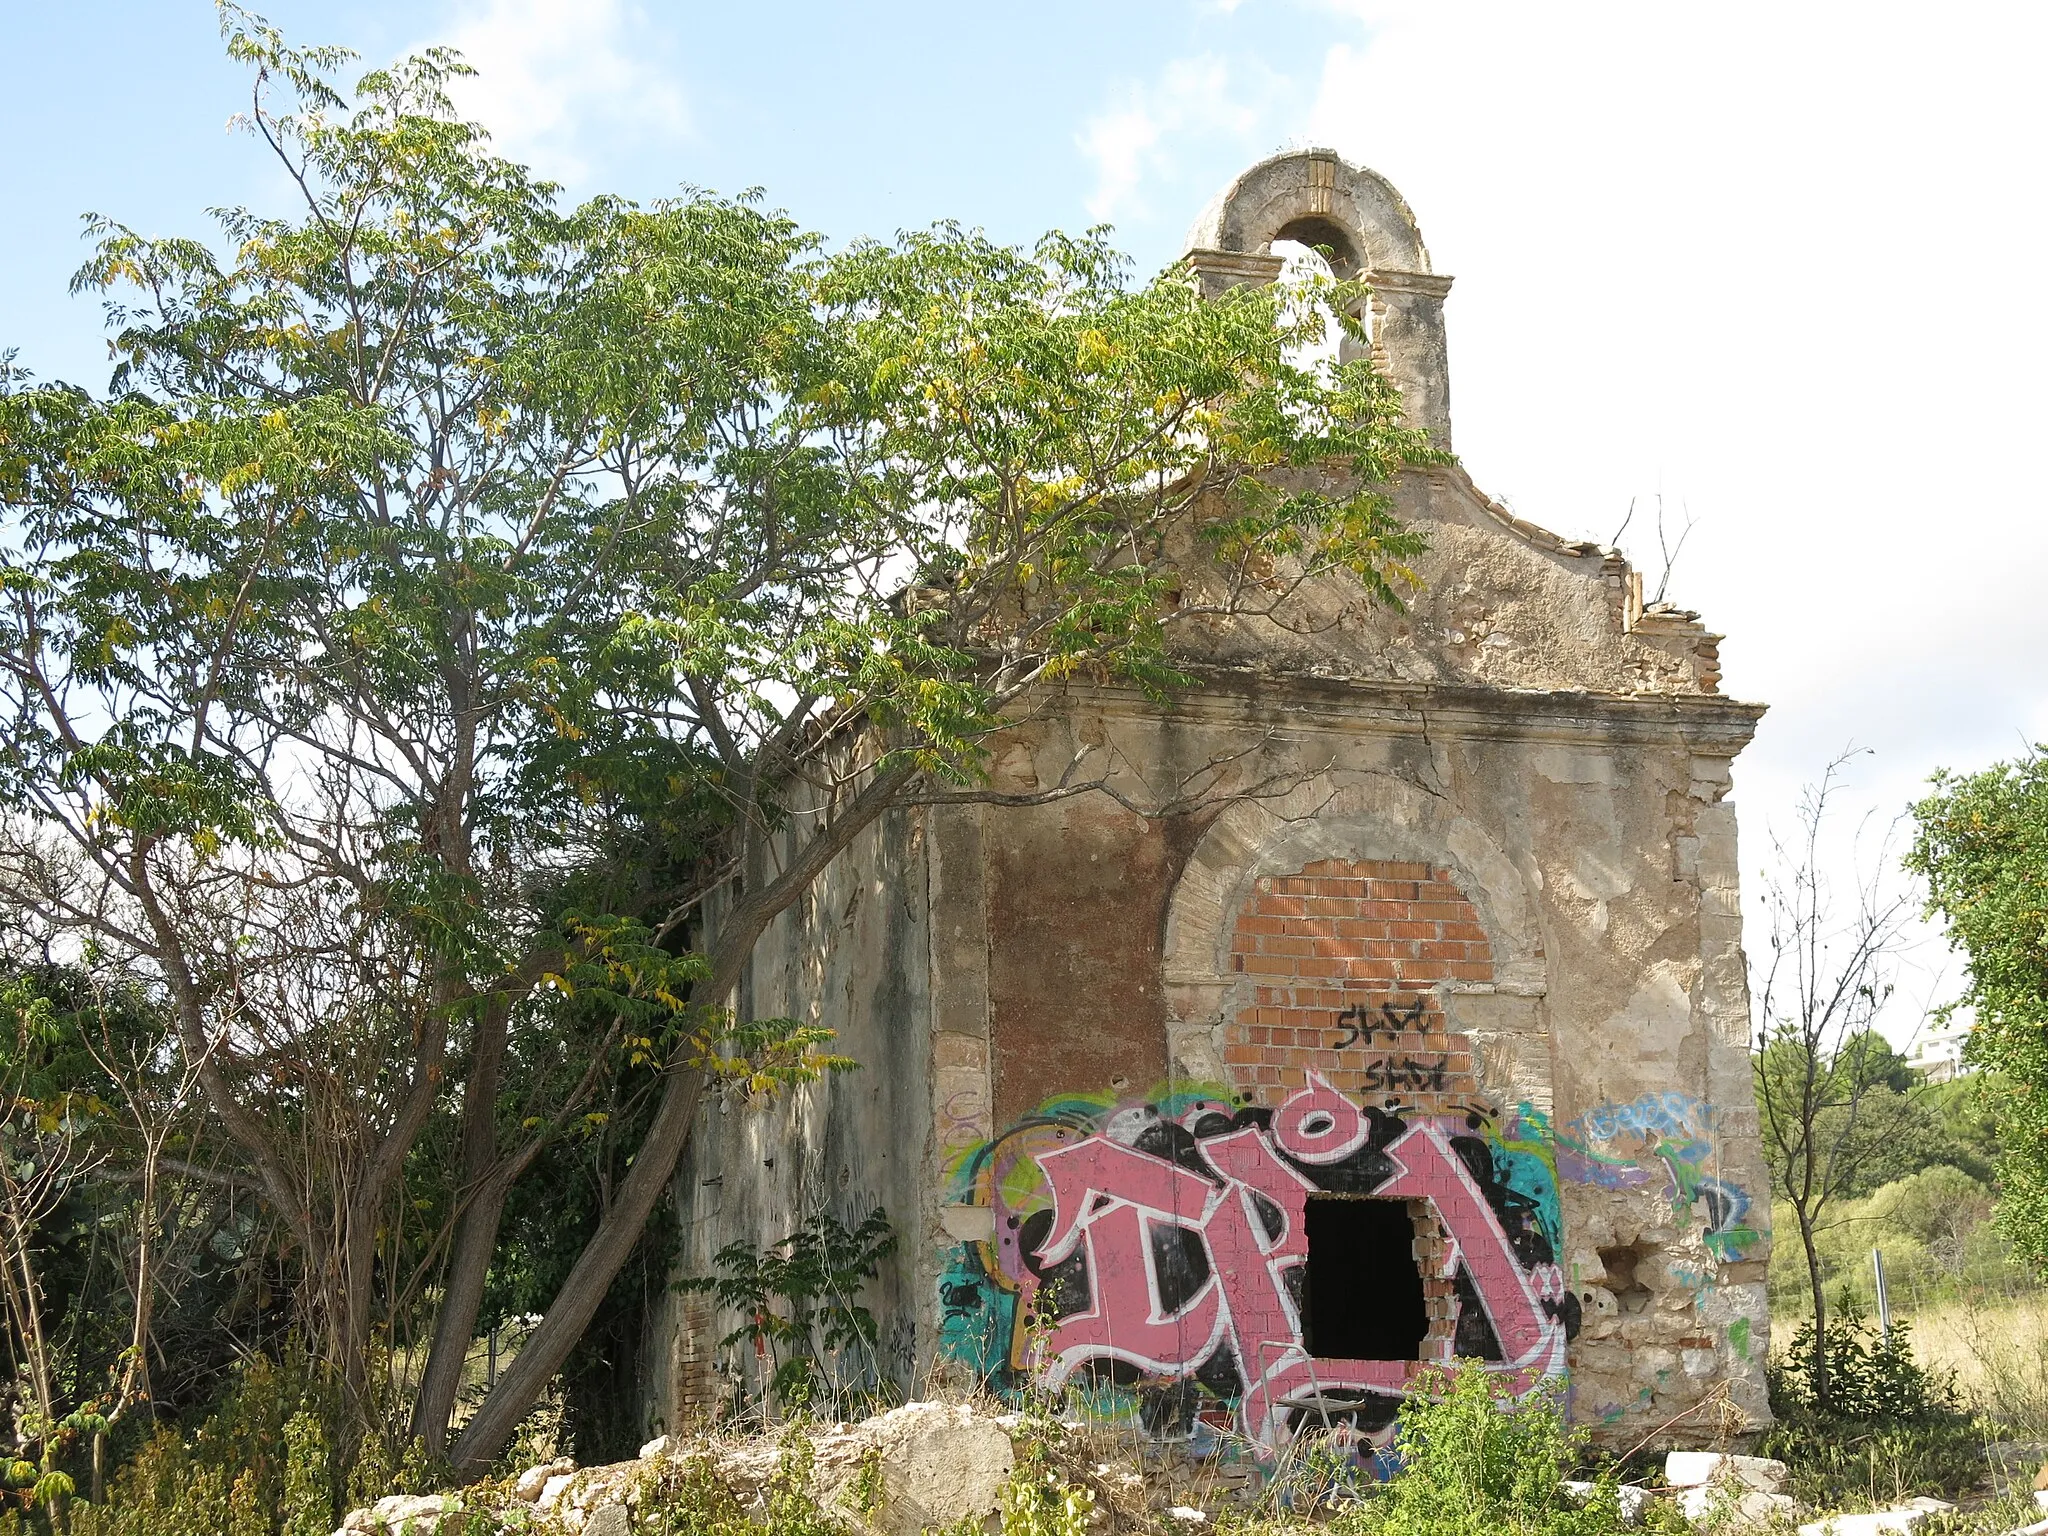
column 562, row 83
column 1155, row 127
column 1778, row 262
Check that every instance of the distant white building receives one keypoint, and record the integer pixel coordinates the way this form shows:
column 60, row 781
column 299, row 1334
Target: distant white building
column 1937, row 1054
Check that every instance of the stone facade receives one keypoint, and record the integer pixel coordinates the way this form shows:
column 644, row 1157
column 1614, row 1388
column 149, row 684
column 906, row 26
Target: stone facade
column 1264, row 1110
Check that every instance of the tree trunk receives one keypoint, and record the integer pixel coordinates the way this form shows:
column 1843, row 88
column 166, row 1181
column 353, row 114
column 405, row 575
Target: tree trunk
column 474, row 1242
column 1820, row 1315
column 549, row 1345
column 352, row 1299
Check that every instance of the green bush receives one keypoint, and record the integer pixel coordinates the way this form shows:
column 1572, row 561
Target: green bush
column 1476, row 1463
column 263, row 1463
column 1934, row 1228
column 687, row 1498
column 1888, row 1429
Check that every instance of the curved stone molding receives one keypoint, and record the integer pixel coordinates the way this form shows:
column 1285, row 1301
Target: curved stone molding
column 1302, row 186
column 1369, row 817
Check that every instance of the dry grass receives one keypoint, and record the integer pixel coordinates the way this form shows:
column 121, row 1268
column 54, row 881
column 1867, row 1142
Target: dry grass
column 1998, row 1352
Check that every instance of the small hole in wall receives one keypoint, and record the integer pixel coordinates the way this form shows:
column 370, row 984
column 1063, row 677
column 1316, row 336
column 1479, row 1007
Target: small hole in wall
column 1630, row 1294
column 1364, row 1296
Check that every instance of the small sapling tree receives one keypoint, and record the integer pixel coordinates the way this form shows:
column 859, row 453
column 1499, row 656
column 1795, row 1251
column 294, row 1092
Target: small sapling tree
column 1819, row 989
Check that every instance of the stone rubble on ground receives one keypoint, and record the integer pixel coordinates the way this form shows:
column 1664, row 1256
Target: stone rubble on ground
column 1694, row 1469
column 944, row 1463
column 1902, row 1517
column 403, row 1514
column 1732, row 1492
column 940, row 1463
column 1630, row 1499
column 534, row 1479
column 1731, row 1505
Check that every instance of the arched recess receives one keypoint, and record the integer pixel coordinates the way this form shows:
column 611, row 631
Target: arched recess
column 1368, row 817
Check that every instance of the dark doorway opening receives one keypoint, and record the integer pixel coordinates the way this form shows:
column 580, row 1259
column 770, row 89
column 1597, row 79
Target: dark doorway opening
column 1364, row 1292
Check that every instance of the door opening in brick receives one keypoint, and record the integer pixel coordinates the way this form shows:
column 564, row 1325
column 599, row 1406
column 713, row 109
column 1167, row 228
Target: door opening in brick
column 1364, row 1293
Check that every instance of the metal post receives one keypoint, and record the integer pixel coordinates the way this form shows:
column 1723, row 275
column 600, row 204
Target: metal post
column 1884, row 1304
column 491, row 1370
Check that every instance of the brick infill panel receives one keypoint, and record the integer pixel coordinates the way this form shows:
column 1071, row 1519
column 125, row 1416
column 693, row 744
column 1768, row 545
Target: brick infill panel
column 1346, row 958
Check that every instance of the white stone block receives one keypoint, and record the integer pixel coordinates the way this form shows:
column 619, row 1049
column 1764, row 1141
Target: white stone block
column 1729, row 1504
column 1691, row 1469
column 1902, row 1517
column 1628, row 1497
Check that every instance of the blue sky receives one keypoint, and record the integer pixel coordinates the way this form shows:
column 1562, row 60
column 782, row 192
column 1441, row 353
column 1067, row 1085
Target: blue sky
column 1777, row 262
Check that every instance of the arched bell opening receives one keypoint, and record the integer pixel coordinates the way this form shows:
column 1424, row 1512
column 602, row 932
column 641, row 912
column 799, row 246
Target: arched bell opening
column 1329, row 238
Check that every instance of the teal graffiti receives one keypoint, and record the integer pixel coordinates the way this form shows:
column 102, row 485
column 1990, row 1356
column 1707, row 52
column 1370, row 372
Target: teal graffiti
column 1676, row 1136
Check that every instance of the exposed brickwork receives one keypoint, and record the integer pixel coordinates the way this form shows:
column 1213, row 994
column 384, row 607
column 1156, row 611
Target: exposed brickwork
column 693, row 1373
column 1350, row 953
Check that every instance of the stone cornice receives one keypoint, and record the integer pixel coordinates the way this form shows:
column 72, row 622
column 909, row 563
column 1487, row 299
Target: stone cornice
column 1388, row 706
column 1435, row 285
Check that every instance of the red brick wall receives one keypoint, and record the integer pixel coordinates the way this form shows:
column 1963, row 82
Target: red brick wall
column 1077, row 896
column 1374, row 937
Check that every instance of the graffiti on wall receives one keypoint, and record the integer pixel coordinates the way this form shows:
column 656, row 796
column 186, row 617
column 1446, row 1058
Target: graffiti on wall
column 1669, row 1138
column 1154, row 1250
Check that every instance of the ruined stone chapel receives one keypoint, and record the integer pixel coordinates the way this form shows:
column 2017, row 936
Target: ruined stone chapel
column 1263, row 1110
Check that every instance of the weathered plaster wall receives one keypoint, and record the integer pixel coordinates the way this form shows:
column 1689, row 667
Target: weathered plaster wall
column 1591, row 1031
column 854, row 956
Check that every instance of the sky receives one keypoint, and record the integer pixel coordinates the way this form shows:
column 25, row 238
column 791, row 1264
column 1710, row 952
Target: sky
column 1773, row 263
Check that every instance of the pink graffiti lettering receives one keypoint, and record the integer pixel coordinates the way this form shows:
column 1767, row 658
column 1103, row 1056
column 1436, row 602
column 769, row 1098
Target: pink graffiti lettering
column 1110, row 1199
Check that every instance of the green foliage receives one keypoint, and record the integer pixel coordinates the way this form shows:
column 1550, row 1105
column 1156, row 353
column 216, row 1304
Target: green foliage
column 797, row 1299
column 443, row 597
column 1869, row 1377
column 1866, row 1131
column 308, row 1503
column 1039, row 1502
column 1935, row 1230
column 256, row 1466
column 1867, row 1059
column 1982, row 845
column 868, row 1490
column 687, row 1498
column 1037, row 1499
column 1887, row 1429
column 1969, row 1107
column 1478, row 1464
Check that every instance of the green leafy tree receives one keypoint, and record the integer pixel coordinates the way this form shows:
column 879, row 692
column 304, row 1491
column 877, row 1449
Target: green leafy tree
column 466, row 618
column 1982, row 845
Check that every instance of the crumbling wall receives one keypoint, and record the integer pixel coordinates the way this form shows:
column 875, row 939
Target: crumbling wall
column 854, row 956
column 1501, row 604
column 1452, row 928
column 1486, row 943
